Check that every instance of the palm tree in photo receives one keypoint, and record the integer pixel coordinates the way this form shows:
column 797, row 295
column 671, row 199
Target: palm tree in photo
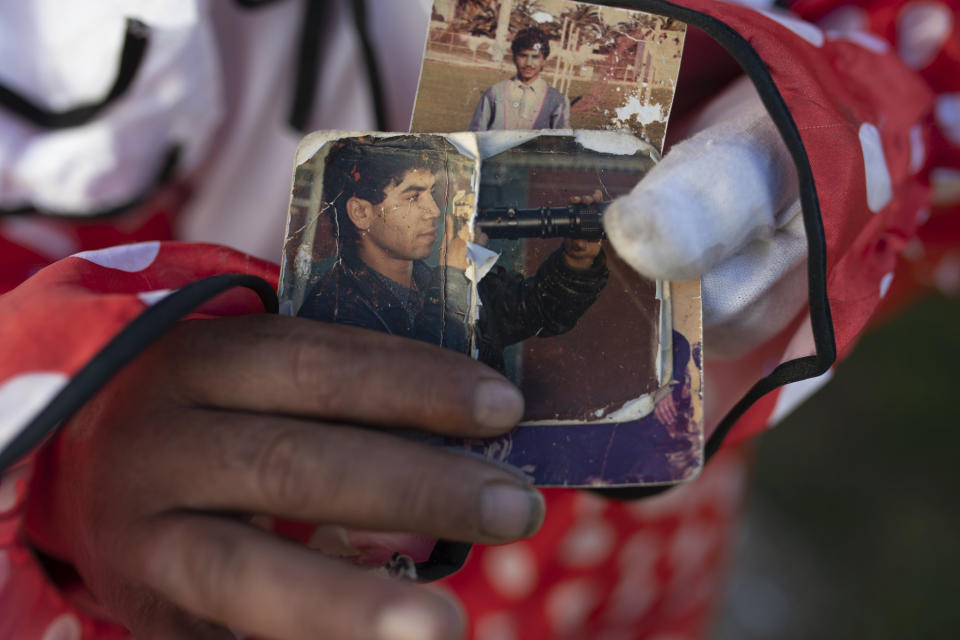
column 476, row 17
column 670, row 24
column 636, row 28
column 605, row 37
column 587, row 19
column 522, row 17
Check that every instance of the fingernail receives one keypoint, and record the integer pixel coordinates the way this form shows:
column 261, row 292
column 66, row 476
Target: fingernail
column 497, row 404
column 415, row 621
column 509, row 511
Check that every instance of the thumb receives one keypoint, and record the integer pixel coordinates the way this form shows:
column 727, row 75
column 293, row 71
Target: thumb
column 447, row 238
column 711, row 195
column 448, row 232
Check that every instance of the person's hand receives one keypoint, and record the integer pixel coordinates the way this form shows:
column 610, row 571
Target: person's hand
column 666, row 410
column 148, row 490
column 722, row 205
column 579, row 253
column 453, row 251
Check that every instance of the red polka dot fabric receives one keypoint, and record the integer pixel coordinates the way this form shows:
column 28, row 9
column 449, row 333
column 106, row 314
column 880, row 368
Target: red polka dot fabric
column 607, row 569
column 874, row 91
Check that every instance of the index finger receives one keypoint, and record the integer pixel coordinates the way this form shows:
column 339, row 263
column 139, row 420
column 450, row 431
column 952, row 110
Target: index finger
column 296, row 366
column 237, row 576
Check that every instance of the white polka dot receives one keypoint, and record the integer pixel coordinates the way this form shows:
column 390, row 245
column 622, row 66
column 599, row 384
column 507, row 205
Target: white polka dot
column 8, row 495
column 845, row 18
column 511, row 570
column 640, row 553
column 151, row 298
column 946, row 186
column 633, row 595
column 918, row 151
column 690, row 547
column 569, row 605
column 946, row 277
column 496, row 626
column 796, row 393
column 587, row 544
column 4, row 568
column 64, row 627
column 879, row 189
column 22, row 398
column 923, row 215
column 866, row 40
column 39, row 236
column 885, row 284
column 948, row 116
column 914, row 250
column 8, row 488
column 922, row 29
column 805, row 30
column 129, row 257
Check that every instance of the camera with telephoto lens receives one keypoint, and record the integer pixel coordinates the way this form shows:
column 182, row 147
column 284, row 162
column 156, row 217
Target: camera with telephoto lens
column 581, row 221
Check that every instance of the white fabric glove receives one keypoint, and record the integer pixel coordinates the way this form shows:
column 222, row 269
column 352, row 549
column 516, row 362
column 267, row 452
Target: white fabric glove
column 723, row 205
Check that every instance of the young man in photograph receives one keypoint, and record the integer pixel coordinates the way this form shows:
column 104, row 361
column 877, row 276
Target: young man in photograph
column 381, row 194
column 525, row 101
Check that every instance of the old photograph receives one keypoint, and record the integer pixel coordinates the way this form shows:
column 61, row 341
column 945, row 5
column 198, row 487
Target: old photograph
column 492, row 244
column 547, row 64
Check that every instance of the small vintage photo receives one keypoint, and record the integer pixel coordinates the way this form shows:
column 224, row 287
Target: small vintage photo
column 489, row 244
column 492, row 244
column 547, row 64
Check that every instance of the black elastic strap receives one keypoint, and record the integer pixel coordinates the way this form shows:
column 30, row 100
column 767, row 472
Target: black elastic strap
column 143, row 331
column 305, row 83
column 134, row 49
column 370, row 60
column 446, row 558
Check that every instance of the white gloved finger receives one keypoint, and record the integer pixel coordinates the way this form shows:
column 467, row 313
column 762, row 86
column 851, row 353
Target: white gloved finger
column 750, row 297
column 712, row 194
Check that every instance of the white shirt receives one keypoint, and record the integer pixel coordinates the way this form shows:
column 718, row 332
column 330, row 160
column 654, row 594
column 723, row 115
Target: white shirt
column 524, row 102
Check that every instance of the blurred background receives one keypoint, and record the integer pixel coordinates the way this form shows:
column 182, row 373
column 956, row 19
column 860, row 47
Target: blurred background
column 852, row 522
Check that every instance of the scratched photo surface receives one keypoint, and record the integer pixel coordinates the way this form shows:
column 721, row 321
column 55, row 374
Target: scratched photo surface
column 604, row 68
column 596, row 344
column 379, row 235
column 613, row 387
column 374, row 223
column 492, row 244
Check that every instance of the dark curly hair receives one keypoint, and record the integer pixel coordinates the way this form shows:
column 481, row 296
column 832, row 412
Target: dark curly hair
column 530, row 38
column 365, row 167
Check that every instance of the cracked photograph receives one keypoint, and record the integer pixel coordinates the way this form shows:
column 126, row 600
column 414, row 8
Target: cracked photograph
column 492, row 244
